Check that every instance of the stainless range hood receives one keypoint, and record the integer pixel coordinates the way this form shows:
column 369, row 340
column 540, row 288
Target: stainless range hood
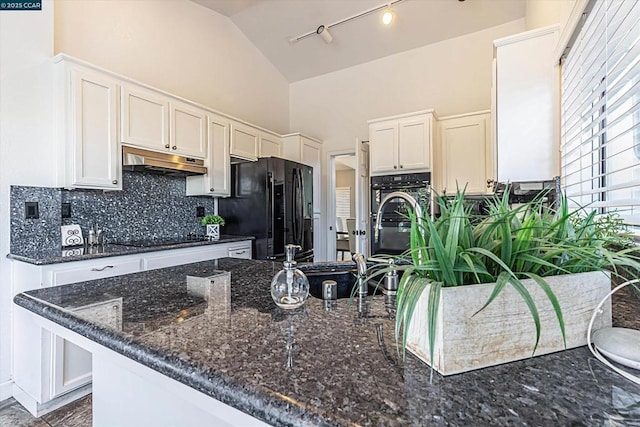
column 139, row 160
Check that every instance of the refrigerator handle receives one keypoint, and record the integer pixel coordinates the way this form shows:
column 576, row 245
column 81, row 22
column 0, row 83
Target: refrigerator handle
column 296, row 207
column 294, row 198
column 302, row 201
column 270, row 205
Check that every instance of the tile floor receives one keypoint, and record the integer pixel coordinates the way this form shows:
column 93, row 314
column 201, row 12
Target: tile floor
column 77, row 414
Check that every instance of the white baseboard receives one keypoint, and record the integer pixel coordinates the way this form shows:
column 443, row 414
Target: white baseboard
column 39, row 409
column 5, row 390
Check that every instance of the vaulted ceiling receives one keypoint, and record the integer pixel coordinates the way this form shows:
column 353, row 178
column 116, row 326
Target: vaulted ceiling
column 271, row 24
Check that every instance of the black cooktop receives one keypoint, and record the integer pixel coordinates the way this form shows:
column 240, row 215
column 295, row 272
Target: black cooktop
column 161, row 241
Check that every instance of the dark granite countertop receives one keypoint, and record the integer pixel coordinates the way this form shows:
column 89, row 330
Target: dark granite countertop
column 44, row 256
column 340, row 373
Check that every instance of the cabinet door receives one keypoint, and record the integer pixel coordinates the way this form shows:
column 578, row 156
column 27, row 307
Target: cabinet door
column 311, row 155
column 244, row 141
column 383, row 144
column 291, row 148
column 219, row 169
column 94, row 139
column 144, row 121
column 71, row 366
column 526, row 107
column 217, row 180
column 466, row 152
column 414, row 143
column 270, row 146
column 188, row 130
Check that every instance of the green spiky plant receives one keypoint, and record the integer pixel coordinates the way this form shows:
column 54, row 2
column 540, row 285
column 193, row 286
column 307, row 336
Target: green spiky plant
column 505, row 247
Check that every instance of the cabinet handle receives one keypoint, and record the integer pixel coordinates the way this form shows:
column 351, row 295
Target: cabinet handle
column 115, row 181
column 166, row 145
column 401, row 166
column 241, row 252
column 395, row 167
column 174, row 147
column 101, row 268
column 212, row 189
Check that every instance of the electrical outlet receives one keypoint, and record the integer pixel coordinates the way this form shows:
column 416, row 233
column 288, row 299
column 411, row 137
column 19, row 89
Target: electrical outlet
column 66, row 210
column 31, row 210
column 199, row 211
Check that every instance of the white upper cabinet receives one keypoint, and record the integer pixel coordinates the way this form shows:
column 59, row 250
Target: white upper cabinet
column 527, row 106
column 401, row 143
column 383, row 142
column 161, row 123
column 245, row 141
column 188, row 127
column 465, row 151
column 270, row 145
column 217, row 180
column 145, row 119
column 87, row 113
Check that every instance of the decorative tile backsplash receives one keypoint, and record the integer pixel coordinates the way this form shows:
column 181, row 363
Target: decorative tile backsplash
column 149, row 205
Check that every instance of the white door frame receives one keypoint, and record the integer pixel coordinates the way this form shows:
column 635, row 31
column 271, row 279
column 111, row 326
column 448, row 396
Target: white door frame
column 331, row 200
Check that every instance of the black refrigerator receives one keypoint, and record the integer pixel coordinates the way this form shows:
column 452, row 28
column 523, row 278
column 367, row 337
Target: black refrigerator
column 272, row 200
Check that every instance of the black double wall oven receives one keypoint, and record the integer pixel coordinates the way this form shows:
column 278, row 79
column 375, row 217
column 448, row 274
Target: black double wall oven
column 394, row 236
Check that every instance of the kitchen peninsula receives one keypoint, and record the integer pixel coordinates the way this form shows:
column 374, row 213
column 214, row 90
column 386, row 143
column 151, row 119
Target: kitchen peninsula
column 236, row 358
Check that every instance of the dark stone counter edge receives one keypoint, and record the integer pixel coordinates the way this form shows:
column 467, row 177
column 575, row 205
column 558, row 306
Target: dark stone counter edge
column 244, row 397
column 121, row 251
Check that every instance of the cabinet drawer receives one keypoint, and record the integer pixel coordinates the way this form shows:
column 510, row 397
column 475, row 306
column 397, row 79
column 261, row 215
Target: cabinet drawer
column 181, row 256
column 107, row 268
column 243, row 252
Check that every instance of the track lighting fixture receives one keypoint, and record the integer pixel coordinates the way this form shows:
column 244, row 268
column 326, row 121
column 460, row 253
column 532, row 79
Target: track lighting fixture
column 325, row 34
column 323, row 30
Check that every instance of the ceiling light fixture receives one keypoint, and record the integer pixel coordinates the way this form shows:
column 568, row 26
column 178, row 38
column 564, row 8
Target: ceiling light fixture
column 388, row 15
column 323, row 30
column 325, row 34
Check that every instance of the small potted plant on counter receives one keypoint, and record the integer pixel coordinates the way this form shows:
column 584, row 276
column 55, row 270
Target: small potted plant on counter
column 213, row 223
column 519, row 282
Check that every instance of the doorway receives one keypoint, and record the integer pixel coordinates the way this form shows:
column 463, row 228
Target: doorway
column 342, row 204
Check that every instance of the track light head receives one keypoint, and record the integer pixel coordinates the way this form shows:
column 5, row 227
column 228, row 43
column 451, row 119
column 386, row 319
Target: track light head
column 325, row 34
column 388, row 15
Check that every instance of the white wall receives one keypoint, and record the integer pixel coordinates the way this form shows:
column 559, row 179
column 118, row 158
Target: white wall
column 542, row 13
column 178, row 46
column 26, row 127
column 452, row 76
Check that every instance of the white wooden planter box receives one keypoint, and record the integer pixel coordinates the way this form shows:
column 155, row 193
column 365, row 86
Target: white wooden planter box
column 504, row 331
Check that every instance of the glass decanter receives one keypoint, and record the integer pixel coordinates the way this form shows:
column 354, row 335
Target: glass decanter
column 290, row 287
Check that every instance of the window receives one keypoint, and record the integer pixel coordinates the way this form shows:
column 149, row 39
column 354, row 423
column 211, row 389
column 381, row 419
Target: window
column 601, row 111
column 343, row 206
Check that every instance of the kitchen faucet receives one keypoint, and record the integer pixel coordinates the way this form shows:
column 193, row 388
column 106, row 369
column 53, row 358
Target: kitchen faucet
column 397, row 195
column 363, row 287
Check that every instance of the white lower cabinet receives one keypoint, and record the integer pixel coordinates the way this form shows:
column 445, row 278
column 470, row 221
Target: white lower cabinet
column 65, row 367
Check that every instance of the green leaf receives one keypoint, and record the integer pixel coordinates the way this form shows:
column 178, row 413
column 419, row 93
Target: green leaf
column 554, row 302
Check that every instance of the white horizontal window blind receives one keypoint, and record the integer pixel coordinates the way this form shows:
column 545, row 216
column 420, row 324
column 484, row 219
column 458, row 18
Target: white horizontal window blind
column 601, row 111
column 343, row 205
